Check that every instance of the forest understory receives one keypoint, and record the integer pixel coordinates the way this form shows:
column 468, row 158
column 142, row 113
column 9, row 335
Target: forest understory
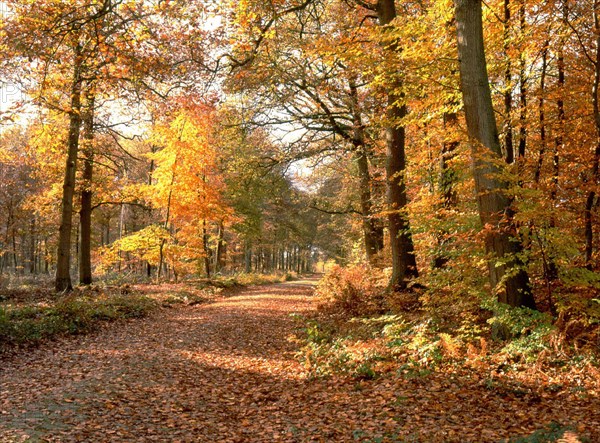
column 274, row 363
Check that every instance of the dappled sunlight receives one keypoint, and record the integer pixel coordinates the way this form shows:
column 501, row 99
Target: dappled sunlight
column 283, row 369
column 228, row 371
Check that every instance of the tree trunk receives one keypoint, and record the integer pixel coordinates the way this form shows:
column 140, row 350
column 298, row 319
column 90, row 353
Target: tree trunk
column 522, row 92
column 247, row 257
column 542, row 114
column 220, row 252
column 508, row 133
column 163, row 241
column 591, row 197
column 85, row 213
column 447, row 182
column 372, row 230
column 494, row 206
column 14, row 250
column 404, row 264
column 63, row 262
column 32, row 244
column 560, row 134
column 207, row 252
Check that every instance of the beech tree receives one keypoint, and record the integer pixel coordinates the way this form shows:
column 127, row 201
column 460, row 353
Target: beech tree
column 507, row 275
column 75, row 48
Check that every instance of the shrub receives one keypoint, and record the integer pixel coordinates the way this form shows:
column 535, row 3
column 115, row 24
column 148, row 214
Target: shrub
column 324, row 353
column 260, row 279
column 527, row 330
column 356, row 291
column 72, row 314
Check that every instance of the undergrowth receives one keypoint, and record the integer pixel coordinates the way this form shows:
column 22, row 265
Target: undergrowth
column 70, row 314
column 361, row 329
column 553, row 432
column 30, row 314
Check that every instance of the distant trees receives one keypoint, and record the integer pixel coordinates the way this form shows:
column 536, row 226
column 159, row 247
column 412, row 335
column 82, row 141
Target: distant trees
column 257, row 136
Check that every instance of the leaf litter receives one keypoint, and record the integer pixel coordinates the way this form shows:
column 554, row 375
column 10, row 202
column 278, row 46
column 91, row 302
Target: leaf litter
column 227, row 372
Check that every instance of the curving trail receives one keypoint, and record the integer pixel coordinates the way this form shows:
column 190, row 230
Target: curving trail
column 226, row 372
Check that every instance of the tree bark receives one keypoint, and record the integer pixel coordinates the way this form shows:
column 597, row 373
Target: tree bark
column 32, row 245
column 220, row 252
column 63, row 262
column 404, row 264
column 507, row 276
column 85, row 213
column 542, row 114
column 372, row 230
column 591, row 196
column 207, row 252
column 508, row 133
column 522, row 92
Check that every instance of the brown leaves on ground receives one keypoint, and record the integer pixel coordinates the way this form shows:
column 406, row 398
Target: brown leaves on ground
column 226, row 372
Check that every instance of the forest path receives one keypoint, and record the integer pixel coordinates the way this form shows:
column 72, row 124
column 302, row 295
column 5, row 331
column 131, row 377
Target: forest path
column 226, row 372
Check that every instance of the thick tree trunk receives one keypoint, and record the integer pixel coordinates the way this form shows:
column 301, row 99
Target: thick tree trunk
column 85, row 213
column 404, row 264
column 494, row 205
column 63, row 262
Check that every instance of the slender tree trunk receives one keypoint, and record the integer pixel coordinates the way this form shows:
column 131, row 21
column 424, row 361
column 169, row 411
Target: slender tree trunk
column 494, row 206
column 14, row 248
column 161, row 256
column 372, row 230
column 220, row 252
column 63, row 262
column 447, row 181
column 508, row 133
column 32, row 242
column 541, row 113
column 247, row 257
column 591, row 197
column 549, row 267
column 85, row 213
column 560, row 134
column 6, row 240
column 150, row 173
column 207, row 253
column 404, row 264
column 522, row 91
column 121, row 229
column 46, row 252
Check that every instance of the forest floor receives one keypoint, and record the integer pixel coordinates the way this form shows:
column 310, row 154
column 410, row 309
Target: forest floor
column 227, row 371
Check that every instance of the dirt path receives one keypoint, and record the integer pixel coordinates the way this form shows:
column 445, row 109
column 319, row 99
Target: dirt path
column 226, row 372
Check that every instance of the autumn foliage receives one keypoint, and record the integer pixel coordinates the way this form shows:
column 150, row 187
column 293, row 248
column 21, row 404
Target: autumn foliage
column 437, row 160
